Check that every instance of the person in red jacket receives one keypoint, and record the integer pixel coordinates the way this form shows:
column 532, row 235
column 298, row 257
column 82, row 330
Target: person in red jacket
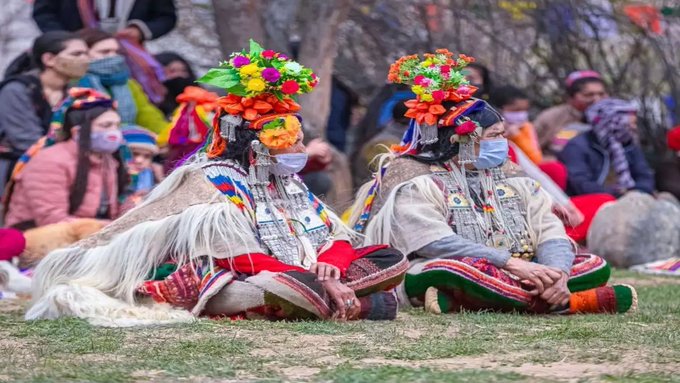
column 232, row 232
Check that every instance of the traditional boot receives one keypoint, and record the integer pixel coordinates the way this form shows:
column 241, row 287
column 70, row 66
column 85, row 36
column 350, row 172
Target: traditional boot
column 604, row 299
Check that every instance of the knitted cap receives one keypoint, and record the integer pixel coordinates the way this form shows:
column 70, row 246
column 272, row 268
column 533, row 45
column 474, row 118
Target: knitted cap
column 136, row 137
column 581, row 74
column 77, row 98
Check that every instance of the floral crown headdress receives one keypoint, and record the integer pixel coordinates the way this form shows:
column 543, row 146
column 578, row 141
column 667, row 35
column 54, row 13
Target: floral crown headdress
column 434, row 79
column 261, row 86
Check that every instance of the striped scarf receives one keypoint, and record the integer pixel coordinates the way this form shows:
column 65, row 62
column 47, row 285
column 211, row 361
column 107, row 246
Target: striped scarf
column 111, row 74
column 610, row 119
column 143, row 66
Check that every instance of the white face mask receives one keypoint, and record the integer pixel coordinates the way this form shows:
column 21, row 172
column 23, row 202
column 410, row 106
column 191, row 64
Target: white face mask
column 492, row 153
column 516, row 118
column 288, row 164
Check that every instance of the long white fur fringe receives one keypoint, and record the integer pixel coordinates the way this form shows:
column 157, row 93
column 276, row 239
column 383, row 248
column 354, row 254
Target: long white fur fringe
column 99, row 284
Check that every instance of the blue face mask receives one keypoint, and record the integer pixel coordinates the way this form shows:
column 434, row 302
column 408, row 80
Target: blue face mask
column 288, row 164
column 492, row 153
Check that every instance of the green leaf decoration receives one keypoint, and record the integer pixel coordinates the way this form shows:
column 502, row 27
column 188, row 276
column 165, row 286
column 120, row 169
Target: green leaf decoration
column 219, row 77
column 255, row 48
column 238, row 89
column 273, row 124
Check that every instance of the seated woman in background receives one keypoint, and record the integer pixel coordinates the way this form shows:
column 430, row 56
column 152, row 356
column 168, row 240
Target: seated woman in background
column 80, row 175
column 35, row 83
column 514, row 105
column 178, row 76
column 608, row 159
column 108, row 73
column 577, row 213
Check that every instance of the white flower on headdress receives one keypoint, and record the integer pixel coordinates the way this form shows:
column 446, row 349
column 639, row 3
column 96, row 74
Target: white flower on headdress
column 292, row 67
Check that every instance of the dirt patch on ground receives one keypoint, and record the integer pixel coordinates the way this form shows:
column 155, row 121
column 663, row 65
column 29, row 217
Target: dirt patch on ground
column 647, row 281
column 564, row 370
column 13, row 305
column 451, row 364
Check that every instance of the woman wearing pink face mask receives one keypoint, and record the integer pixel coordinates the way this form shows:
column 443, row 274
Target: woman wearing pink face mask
column 79, row 173
column 514, row 105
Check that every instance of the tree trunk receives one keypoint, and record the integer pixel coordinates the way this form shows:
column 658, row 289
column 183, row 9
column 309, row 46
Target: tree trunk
column 319, row 23
column 238, row 21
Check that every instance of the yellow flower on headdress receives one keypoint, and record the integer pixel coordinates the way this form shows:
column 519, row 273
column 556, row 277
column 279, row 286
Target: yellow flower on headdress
column 249, row 70
column 255, row 85
column 417, row 89
column 426, row 97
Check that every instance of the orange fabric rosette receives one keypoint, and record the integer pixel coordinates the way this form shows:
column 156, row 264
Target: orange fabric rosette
column 199, row 96
column 462, row 94
column 251, row 108
column 424, row 112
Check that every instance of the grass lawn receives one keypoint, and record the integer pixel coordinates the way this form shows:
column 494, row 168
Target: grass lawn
column 466, row 347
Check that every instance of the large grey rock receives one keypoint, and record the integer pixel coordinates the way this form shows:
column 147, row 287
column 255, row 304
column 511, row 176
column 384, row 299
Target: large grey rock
column 636, row 229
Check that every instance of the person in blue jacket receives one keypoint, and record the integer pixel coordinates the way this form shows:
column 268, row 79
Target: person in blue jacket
column 608, row 158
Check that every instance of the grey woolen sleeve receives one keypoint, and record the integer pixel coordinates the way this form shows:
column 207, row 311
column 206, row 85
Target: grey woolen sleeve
column 557, row 253
column 457, row 246
column 21, row 126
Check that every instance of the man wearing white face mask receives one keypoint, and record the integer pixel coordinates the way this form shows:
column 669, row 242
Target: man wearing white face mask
column 477, row 237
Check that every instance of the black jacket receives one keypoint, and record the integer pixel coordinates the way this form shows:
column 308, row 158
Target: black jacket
column 158, row 16
column 588, row 165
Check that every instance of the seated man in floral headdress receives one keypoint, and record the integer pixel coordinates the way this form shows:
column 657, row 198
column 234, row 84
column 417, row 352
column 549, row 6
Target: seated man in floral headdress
column 478, row 237
column 234, row 232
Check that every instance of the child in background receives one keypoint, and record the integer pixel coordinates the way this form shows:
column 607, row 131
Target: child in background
column 514, row 105
column 144, row 173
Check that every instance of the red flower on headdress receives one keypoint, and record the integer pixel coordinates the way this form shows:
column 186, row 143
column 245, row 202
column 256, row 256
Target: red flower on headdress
column 439, row 95
column 290, row 87
column 466, row 128
column 268, row 54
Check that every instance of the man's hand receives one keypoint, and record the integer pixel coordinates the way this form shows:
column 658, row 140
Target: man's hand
column 569, row 215
column 542, row 277
column 325, row 272
column 131, row 33
column 558, row 294
column 320, row 150
column 345, row 302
